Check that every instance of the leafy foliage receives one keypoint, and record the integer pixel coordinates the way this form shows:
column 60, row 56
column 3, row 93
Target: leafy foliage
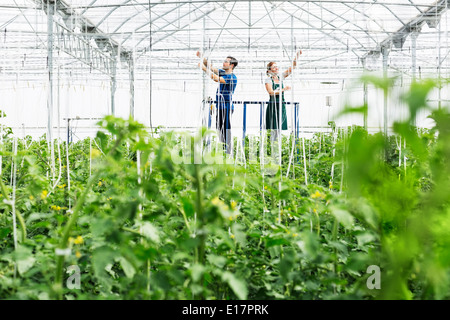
column 142, row 218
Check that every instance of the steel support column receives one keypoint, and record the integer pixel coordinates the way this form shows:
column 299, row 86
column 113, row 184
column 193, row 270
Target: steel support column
column 365, row 98
column 414, row 36
column 50, row 13
column 113, row 86
column 131, row 73
column 385, row 52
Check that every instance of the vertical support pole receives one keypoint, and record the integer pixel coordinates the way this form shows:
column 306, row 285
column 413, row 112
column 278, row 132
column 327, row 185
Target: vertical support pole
column 261, row 113
column 262, row 143
column 293, row 54
column 365, row 97
column 204, row 74
column 385, row 52
column 68, row 131
column 366, row 104
column 439, row 65
column 113, row 86
column 295, row 120
column 414, row 36
column 150, row 90
column 1, row 143
column 249, row 23
column 244, row 124
column 50, row 13
column 131, row 72
column 297, row 129
column 205, row 104
column 209, row 113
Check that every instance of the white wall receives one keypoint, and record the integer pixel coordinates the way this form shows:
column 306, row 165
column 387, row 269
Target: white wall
column 177, row 104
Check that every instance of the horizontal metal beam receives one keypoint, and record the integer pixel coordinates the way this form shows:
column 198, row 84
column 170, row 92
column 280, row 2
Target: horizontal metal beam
column 80, row 49
column 373, row 2
column 430, row 16
column 77, row 44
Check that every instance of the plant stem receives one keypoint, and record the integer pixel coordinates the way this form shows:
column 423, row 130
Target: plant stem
column 185, row 220
column 18, row 214
column 200, row 215
column 318, row 222
column 66, row 232
column 334, row 237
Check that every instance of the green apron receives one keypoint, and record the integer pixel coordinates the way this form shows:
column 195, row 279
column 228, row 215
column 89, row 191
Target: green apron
column 272, row 112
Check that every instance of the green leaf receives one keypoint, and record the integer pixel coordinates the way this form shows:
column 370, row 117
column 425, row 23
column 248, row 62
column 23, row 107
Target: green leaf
column 102, row 257
column 383, row 83
column 364, row 238
column 343, row 216
column 101, row 226
column 188, row 206
column 217, row 261
column 416, row 97
column 287, row 263
column 339, row 246
column 348, row 110
column 150, row 232
column 24, row 259
column 238, row 231
column 4, row 232
column 238, row 286
column 127, row 267
column 309, row 244
column 276, row 242
column 197, row 271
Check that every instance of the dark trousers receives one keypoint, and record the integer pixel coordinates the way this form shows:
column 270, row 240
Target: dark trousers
column 223, row 125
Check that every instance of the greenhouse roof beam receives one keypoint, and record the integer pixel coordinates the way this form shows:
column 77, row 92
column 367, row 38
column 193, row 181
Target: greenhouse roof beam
column 95, row 57
column 161, row 28
column 186, row 25
column 430, row 17
column 276, row 30
column 220, row 26
column 392, row 3
column 80, row 49
column 367, row 16
column 147, row 23
column 277, row 27
column 347, row 21
column 333, row 26
column 111, row 12
column 223, row 27
column 183, row 29
column 172, row 33
column 232, row 13
column 320, row 30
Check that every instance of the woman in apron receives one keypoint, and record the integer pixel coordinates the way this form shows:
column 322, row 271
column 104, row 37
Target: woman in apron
column 274, row 118
column 273, row 108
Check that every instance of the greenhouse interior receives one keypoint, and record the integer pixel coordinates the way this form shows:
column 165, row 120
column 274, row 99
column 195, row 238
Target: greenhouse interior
column 119, row 181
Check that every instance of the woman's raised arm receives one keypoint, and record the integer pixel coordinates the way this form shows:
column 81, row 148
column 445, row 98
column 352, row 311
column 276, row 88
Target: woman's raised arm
column 294, row 64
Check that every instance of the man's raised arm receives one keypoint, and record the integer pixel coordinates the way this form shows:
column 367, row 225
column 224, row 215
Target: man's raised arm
column 205, row 63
